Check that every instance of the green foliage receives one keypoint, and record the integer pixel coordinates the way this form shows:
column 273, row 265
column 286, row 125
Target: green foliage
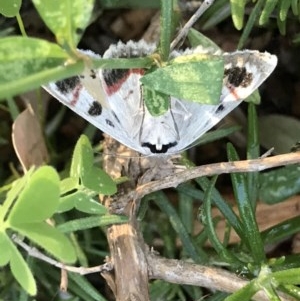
column 38, row 195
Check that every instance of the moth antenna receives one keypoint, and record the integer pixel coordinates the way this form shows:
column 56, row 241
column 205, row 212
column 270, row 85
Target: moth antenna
column 184, row 31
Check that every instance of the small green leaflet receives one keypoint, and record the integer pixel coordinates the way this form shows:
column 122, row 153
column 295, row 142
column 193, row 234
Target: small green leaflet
column 157, row 103
column 197, row 78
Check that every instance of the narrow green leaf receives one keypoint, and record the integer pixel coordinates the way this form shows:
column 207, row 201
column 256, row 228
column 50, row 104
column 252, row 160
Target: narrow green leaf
column 39, row 199
column 281, row 231
column 295, row 8
column 292, row 290
column 255, row 14
column 10, row 8
column 267, row 10
column 222, row 205
column 237, row 12
column 284, row 9
column 251, row 235
column 208, row 222
column 189, row 78
column 66, row 19
column 215, row 14
column 86, row 286
column 165, row 28
column 49, row 238
column 281, row 24
column 277, row 185
column 21, row 271
column 217, row 135
column 186, row 211
column 195, row 253
column 253, row 148
column 5, row 253
column 289, row 276
column 91, row 222
column 244, row 293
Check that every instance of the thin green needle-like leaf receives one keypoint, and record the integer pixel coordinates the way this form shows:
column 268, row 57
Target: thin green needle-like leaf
column 208, row 222
column 237, row 12
column 255, row 14
column 165, row 28
column 267, row 10
column 251, row 235
column 196, row 254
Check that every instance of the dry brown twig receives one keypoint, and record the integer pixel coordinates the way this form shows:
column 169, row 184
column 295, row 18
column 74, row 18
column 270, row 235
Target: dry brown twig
column 217, row 169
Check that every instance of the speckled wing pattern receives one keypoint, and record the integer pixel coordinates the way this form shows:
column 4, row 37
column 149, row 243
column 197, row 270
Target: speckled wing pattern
column 112, row 99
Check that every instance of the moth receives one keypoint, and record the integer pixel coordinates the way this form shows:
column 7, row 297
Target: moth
column 112, row 99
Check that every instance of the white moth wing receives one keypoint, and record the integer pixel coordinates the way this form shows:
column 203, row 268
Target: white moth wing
column 244, row 72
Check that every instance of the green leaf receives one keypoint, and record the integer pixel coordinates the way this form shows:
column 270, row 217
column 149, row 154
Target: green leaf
column 245, row 293
column 165, row 28
column 237, row 12
column 251, row 235
column 289, row 276
column 82, row 202
column 88, row 205
column 99, row 181
column 21, row 271
column 82, row 167
column 91, row 222
column 279, row 184
column 197, row 78
column 252, row 153
column 66, row 19
column 68, row 184
column 12, row 194
column 38, row 62
column 83, row 157
column 208, row 222
column 268, row 9
column 255, row 14
column 282, row 231
column 156, row 103
column 10, row 8
column 39, row 199
column 284, row 9
column 5, row 249
column 195, row 253
column 49, row 238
